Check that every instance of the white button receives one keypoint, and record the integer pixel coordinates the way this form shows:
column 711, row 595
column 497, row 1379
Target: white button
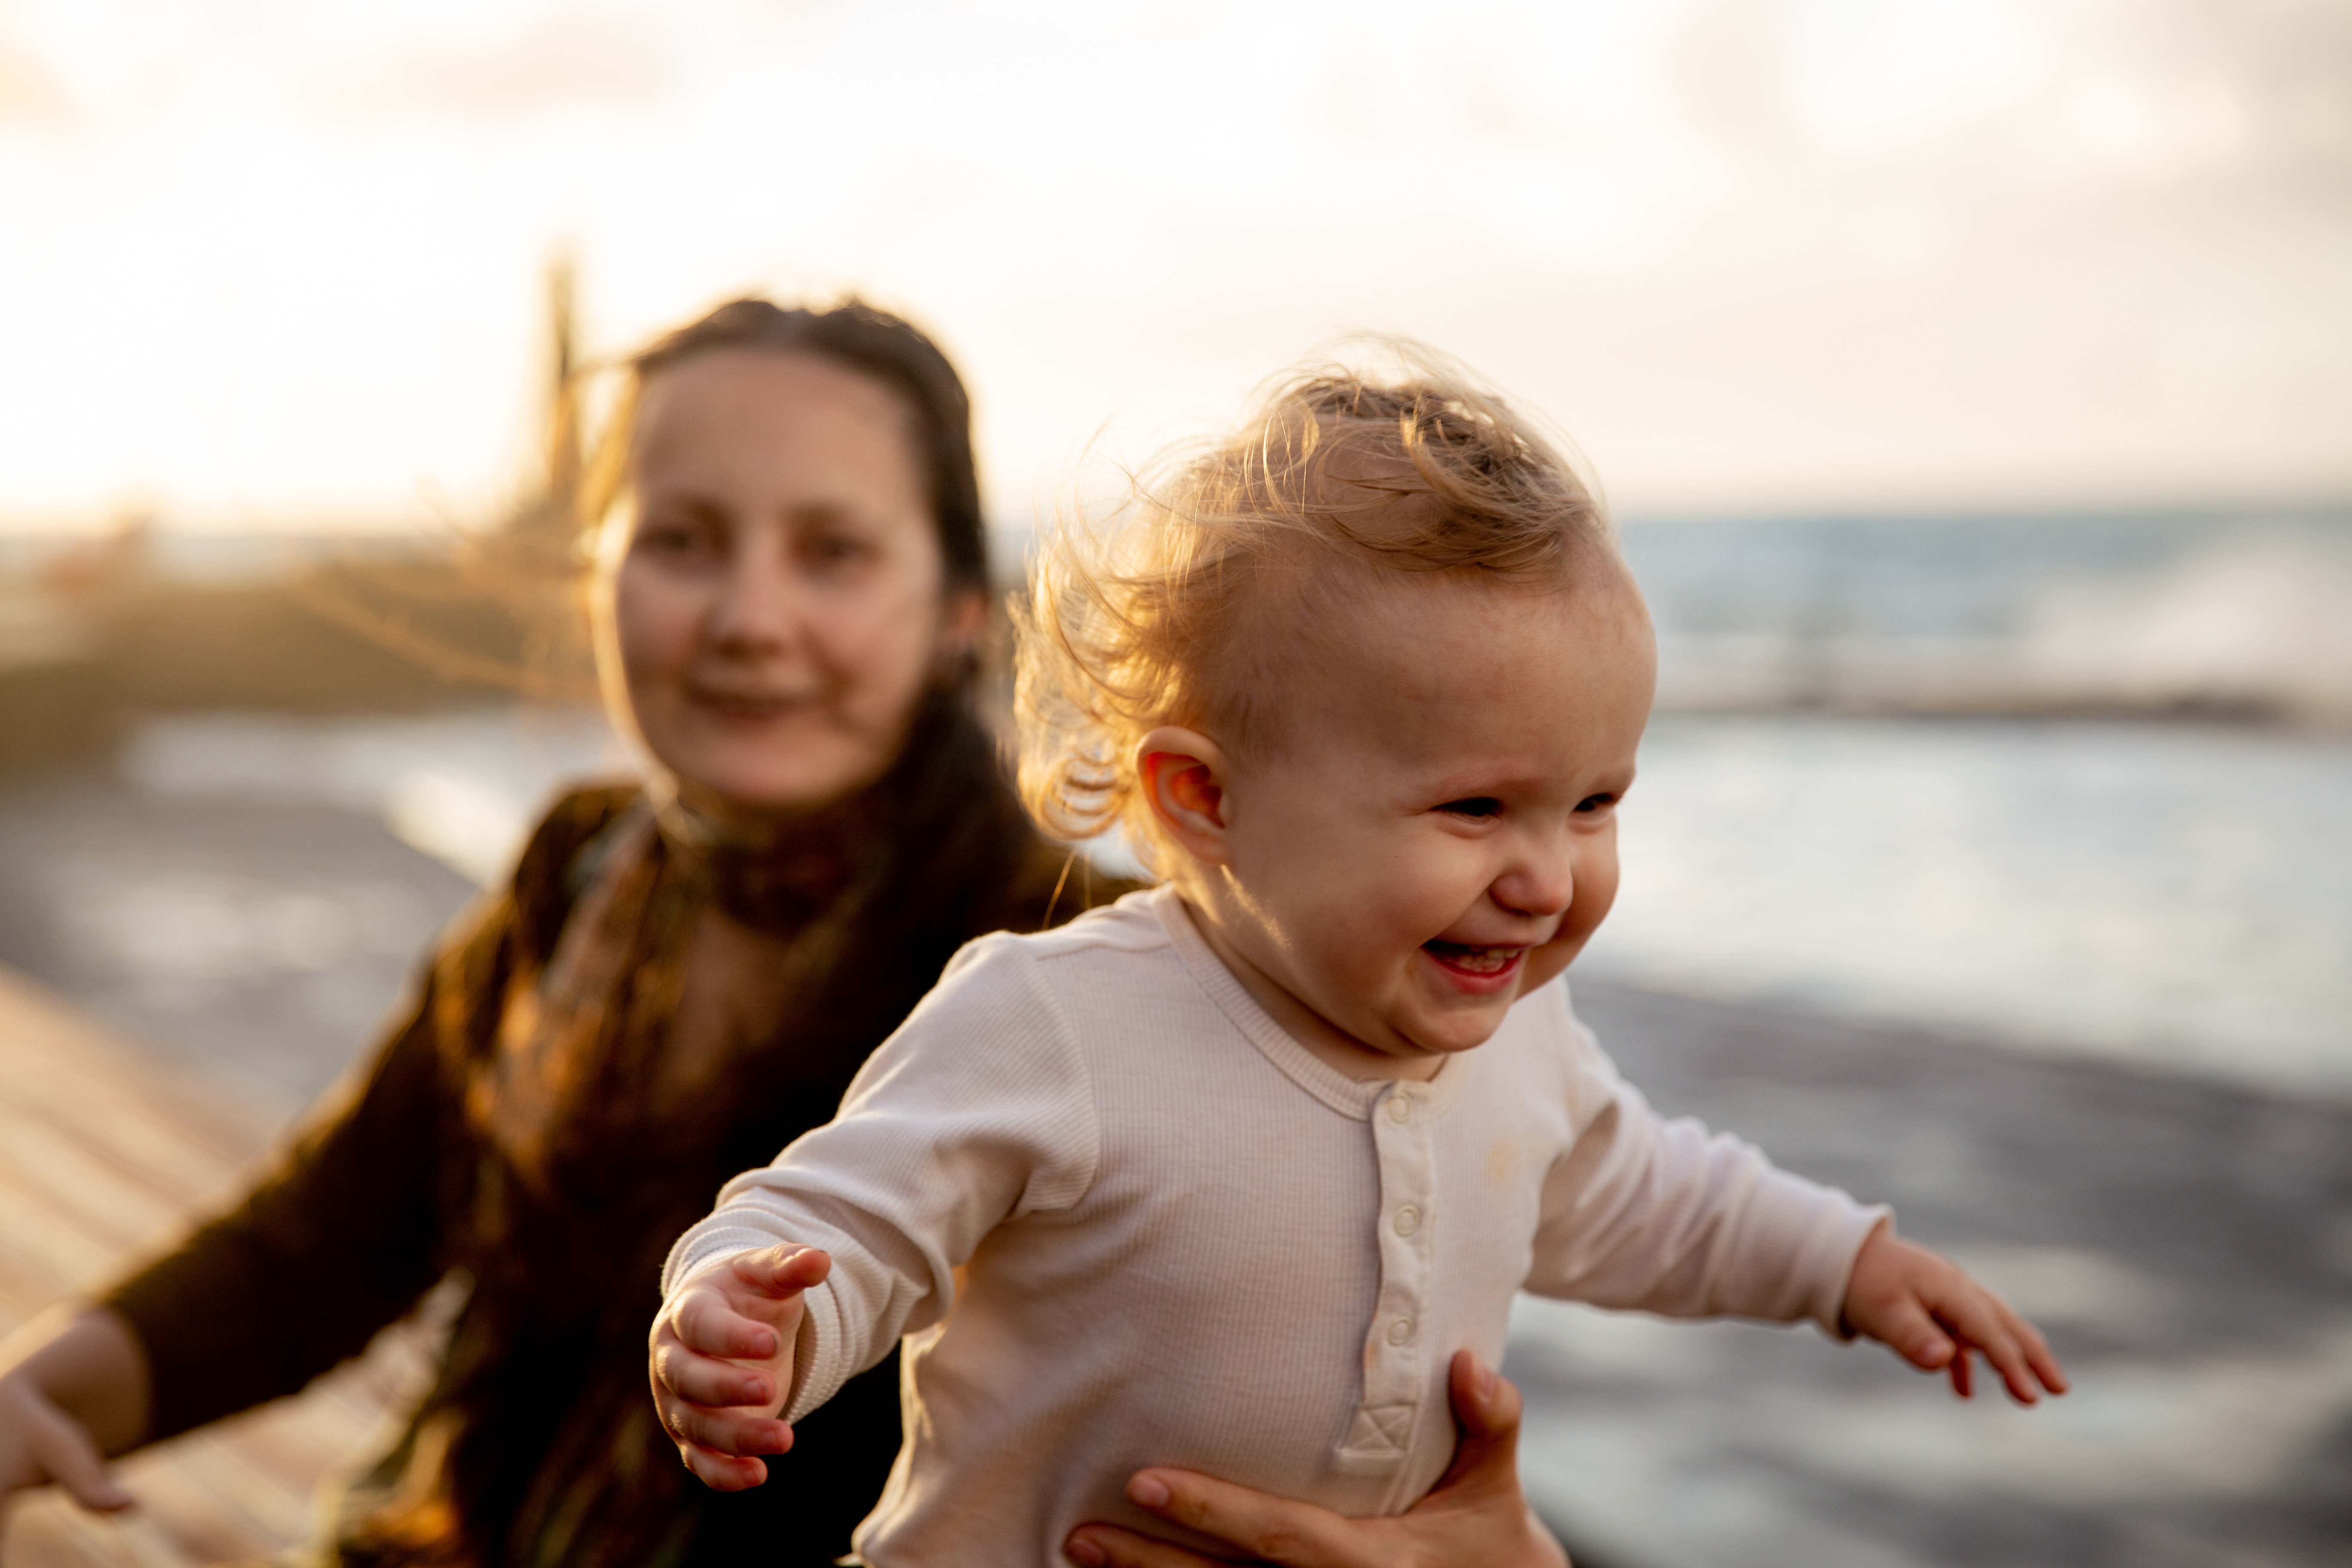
column 1400, row 1330
column 1408, row 1220
column 1399, row 1106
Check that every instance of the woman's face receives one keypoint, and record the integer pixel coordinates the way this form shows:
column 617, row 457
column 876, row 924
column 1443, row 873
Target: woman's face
column 775, row 591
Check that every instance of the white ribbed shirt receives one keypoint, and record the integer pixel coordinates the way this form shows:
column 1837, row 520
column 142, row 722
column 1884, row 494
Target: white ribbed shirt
column 1188, row 1241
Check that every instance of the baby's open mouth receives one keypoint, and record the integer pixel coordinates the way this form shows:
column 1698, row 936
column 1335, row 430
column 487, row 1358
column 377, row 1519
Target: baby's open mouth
column 1472, row 960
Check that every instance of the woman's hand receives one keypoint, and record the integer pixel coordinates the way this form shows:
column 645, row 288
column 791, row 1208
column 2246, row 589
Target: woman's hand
column 721, row 1355
column 1477, row 1517
column 41, row 1445
column 73, row 1388
column 1922, row 1305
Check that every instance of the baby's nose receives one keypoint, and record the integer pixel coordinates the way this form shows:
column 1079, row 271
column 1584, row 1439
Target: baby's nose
column 1541, row 885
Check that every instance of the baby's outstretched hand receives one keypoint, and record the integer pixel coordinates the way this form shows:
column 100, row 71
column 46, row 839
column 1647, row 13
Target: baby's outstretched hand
column 721, row 1355
column 1926, row 1309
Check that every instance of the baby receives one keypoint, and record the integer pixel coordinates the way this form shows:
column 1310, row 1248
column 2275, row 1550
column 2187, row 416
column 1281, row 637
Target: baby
column 1225, row 1176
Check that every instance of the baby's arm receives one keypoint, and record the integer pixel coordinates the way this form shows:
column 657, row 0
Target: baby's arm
column 1926, row 1309
column 722, row 1353
column 1666, row 1216
column 977, row 1112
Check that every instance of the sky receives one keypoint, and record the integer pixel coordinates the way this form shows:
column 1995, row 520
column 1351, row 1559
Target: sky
column 280, row 263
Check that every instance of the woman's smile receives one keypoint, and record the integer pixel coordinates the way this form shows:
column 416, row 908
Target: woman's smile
column 748, row 705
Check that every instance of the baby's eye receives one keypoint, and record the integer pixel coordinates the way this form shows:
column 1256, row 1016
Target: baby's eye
column 1474, row 806
column 1592, row 802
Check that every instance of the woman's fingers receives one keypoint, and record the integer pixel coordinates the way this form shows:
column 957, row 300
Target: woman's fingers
column 63, row 1451
column 1108, row 1546
column 1269, row 1529
column 1486, row 1411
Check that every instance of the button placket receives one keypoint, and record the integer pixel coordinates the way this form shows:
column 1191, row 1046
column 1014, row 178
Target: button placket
column 1381, row 1433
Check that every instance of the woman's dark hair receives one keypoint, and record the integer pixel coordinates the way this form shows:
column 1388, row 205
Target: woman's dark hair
column 857, row 337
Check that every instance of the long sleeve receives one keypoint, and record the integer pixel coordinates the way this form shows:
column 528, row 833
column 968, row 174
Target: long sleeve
column 1662, row 1216
column 976, row 1113
column 334, row 1243
column 350, row 1226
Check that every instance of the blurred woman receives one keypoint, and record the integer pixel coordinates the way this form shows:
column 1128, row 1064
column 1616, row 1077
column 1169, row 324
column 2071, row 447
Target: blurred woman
column 790, row 584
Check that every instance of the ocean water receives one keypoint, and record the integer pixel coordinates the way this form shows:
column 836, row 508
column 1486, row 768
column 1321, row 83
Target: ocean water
column 2218, row 612
column 2167, row 893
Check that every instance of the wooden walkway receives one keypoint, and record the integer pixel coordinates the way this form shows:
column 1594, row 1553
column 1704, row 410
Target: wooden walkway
column 105, row 1155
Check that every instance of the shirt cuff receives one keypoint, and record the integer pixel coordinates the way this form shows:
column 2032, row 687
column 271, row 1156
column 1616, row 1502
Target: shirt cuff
column 1819, row 1231
column 819, row 1369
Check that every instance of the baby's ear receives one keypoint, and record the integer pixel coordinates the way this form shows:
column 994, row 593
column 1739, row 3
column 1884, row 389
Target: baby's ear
column 1183, row 776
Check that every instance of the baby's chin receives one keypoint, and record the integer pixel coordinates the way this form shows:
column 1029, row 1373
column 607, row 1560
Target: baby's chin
column 1464, row 1023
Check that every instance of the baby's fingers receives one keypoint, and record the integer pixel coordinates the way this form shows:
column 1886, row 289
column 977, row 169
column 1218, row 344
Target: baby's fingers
column 2014, row 1347
column 704, row 1321
column 723, row 1472
column 738, row 1433
column 782, row 1271
column 701, row 1380
column 2044, row 1362
column 1912, row 1333
column 1976, row 1318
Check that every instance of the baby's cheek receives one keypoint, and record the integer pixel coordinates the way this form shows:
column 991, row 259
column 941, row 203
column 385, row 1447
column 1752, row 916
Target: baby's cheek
column 1548, row 963
column 1596, row 892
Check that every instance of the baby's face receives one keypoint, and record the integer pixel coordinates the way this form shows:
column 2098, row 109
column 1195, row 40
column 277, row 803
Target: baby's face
column 1436, row 833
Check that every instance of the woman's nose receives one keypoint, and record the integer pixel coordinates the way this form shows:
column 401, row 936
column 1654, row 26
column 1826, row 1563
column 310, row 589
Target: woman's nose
column 756, row 609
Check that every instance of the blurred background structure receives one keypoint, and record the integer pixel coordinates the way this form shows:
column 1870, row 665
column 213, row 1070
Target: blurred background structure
column 1973, row 379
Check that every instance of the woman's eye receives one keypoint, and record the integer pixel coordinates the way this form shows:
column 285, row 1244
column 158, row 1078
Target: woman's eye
column 834, row 549
column 1592, row 802
column 1474, row 805
column 668, row 538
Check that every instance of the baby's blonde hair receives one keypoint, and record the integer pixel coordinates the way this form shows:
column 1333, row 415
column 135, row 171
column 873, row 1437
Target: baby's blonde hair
column 1178, row 607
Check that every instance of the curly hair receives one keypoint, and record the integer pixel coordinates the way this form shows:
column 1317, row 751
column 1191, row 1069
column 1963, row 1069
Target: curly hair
column 1185, row 604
